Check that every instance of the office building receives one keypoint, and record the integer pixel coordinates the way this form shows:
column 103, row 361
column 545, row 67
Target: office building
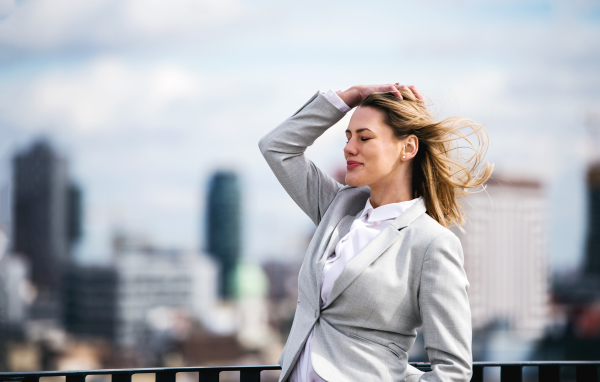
column 118, row 301
column 18, row 291
column 506, row 255
column 223, row 227
column 46, row 222
column 90, row 301
column 40, row 213
column 186, row 281
column 4, row 216
column 75, row 214
column 591, row 266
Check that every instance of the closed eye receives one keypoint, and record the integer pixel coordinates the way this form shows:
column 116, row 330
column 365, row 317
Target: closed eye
column 362, row 139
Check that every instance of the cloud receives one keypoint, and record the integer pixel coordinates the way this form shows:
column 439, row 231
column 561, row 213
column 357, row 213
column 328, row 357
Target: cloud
column 49, row 24
column 173, row 200
column 105, row 94
column 7, row 7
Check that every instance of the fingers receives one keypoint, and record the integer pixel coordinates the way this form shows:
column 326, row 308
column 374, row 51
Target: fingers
column 402, row 87
column 394, row 89
column 399, row 87
column 417, row 93
column 410, row 88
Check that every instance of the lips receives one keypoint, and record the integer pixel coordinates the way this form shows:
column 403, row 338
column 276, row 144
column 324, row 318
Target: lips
column 352, row 164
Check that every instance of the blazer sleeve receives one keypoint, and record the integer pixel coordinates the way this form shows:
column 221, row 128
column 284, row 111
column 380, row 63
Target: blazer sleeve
column 445, row 312
column 284, row 147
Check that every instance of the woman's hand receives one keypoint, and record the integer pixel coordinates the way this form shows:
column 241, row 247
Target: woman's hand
column 354, row 96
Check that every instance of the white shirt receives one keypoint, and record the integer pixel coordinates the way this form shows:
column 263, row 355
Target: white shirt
column 363, row 230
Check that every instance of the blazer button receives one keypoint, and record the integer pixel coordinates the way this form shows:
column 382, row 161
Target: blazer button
column 298, row 301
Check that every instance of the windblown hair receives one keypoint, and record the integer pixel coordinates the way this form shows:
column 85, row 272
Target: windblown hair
column 442, row 171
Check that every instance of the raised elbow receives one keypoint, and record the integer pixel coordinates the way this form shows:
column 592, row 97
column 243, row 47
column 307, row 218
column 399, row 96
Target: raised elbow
column 264, row 144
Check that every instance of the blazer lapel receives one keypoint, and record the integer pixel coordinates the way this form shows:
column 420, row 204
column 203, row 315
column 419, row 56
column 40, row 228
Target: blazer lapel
column 340, row 230
column 373, row 250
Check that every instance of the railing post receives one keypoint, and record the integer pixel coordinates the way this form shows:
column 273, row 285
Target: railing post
column 164, row 376
column 208, row 376
column 75, row 378
column 586, row 373
column 510, row 374
column 477, row 374
column 549, row 373
column 250, row 376
column 120, row 378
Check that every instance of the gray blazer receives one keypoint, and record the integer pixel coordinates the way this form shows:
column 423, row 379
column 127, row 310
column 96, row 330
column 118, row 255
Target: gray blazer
column 410, row 275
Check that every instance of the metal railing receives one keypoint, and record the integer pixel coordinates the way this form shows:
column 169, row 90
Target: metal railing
column 206, row 374
column 585, row 371
column 548, row 371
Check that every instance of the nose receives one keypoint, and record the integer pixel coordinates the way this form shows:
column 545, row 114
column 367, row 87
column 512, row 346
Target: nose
column 350, row 148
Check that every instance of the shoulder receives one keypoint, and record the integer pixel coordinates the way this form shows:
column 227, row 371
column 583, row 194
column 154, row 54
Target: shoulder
column 433, row 237
column 429, row 229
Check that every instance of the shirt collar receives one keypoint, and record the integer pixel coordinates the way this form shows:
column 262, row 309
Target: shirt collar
column 387, row 211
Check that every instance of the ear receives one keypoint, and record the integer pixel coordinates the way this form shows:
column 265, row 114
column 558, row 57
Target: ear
column 411, row 147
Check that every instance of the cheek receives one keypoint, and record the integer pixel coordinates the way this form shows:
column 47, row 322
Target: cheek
column 389, row 155
column 380, row 159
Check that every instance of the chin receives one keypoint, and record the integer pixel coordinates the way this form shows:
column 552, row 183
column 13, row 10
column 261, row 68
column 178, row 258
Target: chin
column 352, row 181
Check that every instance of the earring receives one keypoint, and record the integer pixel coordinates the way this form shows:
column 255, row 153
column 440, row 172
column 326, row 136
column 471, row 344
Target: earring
column 403, row 156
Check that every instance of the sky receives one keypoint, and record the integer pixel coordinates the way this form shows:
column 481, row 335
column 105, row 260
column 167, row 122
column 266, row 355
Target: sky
column 148, row 98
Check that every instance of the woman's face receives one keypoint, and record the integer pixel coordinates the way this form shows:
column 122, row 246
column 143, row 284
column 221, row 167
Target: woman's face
column 372, row 153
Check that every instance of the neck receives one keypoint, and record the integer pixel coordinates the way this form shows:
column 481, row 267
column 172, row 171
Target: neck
column 395, row 188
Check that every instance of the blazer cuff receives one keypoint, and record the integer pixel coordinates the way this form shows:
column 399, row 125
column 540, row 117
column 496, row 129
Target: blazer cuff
column 336, row 101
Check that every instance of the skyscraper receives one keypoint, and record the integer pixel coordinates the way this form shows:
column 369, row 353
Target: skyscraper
column 592, row 250
column 4, row 218
column 75, row 214
column 40, row 213
column 506, row 257
column 223, row 226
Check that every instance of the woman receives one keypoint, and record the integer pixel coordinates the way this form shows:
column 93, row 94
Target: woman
column 382, row 261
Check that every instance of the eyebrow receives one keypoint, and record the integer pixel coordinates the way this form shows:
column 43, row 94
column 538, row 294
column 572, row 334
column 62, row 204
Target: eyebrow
column 359, row 130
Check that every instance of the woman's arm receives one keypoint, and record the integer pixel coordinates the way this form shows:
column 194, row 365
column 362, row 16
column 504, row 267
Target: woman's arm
column 284, row 148
column 445, row 311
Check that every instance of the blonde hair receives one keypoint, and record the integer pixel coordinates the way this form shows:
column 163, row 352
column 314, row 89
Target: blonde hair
column 442, row 172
